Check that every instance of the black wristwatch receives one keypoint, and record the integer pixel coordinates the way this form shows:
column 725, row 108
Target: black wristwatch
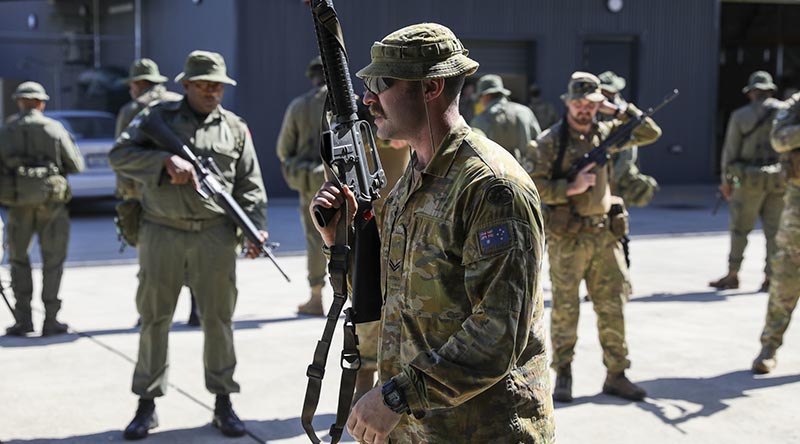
column 394, row 398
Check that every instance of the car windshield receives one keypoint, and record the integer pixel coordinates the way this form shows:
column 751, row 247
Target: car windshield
column 85, row 127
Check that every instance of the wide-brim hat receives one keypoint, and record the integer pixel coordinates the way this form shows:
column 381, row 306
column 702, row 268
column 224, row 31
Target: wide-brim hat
column 205, row 65
column 315, row 65
column 761, row 80
column 611, row 82
column 30, row 90
column 419, row 52
column 145, row 69
column 583, row 85
column 491, row 84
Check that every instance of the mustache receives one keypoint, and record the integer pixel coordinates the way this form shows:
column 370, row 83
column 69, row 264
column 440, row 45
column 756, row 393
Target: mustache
column 377, row 111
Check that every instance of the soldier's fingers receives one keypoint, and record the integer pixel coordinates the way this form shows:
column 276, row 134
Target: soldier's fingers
column 333, row 201
column 354, row 428
column 588, row 167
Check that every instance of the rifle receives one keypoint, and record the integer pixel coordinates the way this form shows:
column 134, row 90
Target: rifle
column 210, row 187
column 718, row 203
column 599, row 154
column 343, row 149
column 8, row 304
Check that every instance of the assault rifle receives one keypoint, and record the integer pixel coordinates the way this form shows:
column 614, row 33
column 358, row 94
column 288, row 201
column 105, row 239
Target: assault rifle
column 210, row 187
column 344, row 148
column 619, row 137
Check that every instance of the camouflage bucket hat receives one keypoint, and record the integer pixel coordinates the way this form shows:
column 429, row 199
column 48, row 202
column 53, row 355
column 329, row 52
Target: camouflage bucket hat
column 30, row 90
column 491, row 84
column 418, row 52
column 611, row 82
column 583, row 85
column 314, row 65
column 145, row 69
column 760, row 80
column 205, row 65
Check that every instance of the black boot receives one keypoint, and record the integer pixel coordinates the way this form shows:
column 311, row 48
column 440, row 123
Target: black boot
column 144, row 420
column 53, row 327
column 563, row 389
column 225, row 418
column 20, row 329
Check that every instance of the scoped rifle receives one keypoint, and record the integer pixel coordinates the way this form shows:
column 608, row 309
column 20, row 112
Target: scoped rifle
column 344, row 150
column 619, row 137
column 210, row 187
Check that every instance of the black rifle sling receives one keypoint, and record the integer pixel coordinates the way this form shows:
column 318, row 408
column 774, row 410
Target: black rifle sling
column 767, row 115
column 562, row 149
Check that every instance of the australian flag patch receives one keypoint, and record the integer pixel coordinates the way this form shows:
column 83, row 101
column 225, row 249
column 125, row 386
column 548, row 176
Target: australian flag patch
column 494, row 239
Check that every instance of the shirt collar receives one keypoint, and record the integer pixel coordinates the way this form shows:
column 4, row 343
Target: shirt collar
column 445, row 154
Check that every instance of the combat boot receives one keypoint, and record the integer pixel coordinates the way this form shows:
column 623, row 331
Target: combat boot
column 765, row 362
column 728, row 282
column 764, row 286
column 53, row 327
column 313, row 307
column 225, row 418
column 20, row 329
column 563, row 390
column 617, row 384
column 144, row 420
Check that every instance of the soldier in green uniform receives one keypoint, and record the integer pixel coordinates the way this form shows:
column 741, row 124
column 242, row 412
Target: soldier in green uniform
column 629, row 183
column 185, row 238
column 544, row 111
column 583, row 233
column 785, row 288
column 508, row 123
column 36, row 153
column 752, row 180
column 462, row 353
column 298, row 151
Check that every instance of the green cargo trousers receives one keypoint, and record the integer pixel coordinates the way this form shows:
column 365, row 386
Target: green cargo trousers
column 316, row 262
column 758, row 196
column 206, row 261
column 599, row 259
column 51, row 223
column 785, row 287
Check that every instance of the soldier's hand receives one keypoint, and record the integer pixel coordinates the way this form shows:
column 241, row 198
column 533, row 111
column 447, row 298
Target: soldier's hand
column 180, row 171
column 583, row 181
column 371, row 420
column 726, row 190
column 330, row 196
column 253, row 250
column 608, row 108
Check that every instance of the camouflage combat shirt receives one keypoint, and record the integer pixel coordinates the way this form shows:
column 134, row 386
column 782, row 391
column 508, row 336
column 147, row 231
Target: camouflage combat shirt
column 299, row 140
column 597, row 199
column 223, row 136
column 747, row 136
column 509, row 124
column 462, row 327
column 785, row 135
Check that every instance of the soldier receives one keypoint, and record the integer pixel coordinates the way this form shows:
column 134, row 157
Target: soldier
column 785, row 288
column 583, row 234
column 298, row 151
column 185, row 238
column 634, row 187
column 145, row 84
column 36, row 153
column 751, row 176
column 544, row 111
column 508, row 123
column 462, row 328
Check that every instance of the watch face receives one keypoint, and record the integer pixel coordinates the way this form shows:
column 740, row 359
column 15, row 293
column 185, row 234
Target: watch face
column 393, row 398
column 614, row 5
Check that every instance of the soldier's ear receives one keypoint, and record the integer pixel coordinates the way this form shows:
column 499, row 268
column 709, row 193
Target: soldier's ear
column 432, row 88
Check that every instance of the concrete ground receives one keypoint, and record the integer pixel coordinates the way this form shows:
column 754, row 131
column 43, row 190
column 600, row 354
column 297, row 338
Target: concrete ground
column 691, row 347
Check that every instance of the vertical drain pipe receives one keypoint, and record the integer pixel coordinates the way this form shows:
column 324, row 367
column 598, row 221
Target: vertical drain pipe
column 137, row 29
column 96, row 32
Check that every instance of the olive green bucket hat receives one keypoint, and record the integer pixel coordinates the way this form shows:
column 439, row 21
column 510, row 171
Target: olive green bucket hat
column 145, row 69
column 491, row 84
column 419, row 52
column 205, row 65
column 611, row 82
column 315, row 65
column 760, row 80
column 583, row 85
column 30, row 90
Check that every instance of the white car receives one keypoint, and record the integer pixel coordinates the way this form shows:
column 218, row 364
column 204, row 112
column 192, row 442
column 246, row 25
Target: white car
column 94, row 134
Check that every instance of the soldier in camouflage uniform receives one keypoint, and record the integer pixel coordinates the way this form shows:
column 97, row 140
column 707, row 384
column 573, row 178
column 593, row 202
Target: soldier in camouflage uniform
column 752, row 180
column 36, row 153
column 583, row 236
column 462, row 354
column 785, row 288
column 509, row 124
column 298, row 151
column 185, row 238
column 544, row 111
column 629, row 183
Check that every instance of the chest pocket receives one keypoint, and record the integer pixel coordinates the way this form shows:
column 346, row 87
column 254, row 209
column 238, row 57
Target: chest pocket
column 435, row 276
column 226, row 149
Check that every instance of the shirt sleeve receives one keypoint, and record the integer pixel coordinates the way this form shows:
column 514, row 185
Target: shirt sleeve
column 501, row 256
column 248, row 188
column 544, row 153
column 731, row 149
column 71, row 156
column 134, row 156
column 785, row 134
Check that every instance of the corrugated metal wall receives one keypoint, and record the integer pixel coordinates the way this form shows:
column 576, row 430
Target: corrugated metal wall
column 677, row 42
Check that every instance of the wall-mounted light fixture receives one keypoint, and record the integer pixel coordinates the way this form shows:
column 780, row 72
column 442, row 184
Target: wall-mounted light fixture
column 33, row 21
column 614, row 5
